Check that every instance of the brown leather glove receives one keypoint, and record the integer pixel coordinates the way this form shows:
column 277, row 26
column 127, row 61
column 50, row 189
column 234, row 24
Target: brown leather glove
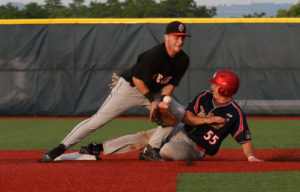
column 163, row 117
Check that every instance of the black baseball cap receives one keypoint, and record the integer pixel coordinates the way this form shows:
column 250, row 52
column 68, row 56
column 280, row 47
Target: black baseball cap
column 176, row 28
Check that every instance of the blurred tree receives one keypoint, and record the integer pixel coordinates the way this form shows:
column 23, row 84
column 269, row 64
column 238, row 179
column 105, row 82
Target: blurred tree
column 282, row 13
column 97, row 10
column 141, row 9
column 55, row 9
column 63, row 12
column 294, row 11
column 114, row 8
column 186, row 8
column 9, row 11
column 259, row 15
column 109, row 9
column 202, row 11
column 78, row 9
column 53, row 4
column 33, row 10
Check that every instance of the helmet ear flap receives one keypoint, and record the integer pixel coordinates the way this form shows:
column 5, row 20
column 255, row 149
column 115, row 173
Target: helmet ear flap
column 222, row 91
column 225, row 92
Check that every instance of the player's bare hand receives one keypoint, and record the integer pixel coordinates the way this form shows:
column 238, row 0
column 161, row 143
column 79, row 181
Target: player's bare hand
column 214, row 119
column 153, row 107
column 254, row 159
column 162, row 105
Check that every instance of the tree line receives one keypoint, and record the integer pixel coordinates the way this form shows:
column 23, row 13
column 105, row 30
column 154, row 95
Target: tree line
column 108, row 9
column 123, row 9
column 293, row 11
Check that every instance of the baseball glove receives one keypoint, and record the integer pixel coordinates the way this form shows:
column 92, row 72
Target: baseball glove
column 163, row 117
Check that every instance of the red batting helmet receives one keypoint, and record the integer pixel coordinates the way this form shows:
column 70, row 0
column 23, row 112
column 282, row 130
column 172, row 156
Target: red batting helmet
column 228, row 81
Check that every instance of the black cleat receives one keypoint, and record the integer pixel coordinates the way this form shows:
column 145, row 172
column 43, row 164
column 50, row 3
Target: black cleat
column 50, row 155
column 150, row 154
column 92, row 149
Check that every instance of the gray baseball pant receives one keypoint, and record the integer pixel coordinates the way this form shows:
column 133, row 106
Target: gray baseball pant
column 178, row 148
column 122, row 97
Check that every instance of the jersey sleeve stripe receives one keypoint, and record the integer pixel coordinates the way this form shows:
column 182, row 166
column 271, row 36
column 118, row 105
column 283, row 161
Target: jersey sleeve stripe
column 241, row 127
column 197, row 102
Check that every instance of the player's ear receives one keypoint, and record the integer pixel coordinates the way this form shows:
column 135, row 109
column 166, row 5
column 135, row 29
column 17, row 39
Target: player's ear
column 166, row 37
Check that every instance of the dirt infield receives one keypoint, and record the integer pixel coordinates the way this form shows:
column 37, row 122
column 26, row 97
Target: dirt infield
column 21, row 171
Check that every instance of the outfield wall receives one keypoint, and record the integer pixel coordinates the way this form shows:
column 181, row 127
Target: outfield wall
column 62, row 66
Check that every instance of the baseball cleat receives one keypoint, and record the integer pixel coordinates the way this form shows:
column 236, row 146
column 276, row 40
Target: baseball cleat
column 50, row 155
column 150, row 154
column 92, row 149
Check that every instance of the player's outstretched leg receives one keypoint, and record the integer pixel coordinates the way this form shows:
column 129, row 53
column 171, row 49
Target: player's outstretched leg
column 50, row 155
column 92, row 149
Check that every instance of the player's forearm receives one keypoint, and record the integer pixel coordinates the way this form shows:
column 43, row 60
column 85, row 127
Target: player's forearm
column 249, row 152
column 248, row 149
column 168, row 89
column 140, row 85
column 190, row 119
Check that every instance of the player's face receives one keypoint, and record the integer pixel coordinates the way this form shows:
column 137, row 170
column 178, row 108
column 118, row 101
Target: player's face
column 215, row 88
column 174, row 44
column 219, row 98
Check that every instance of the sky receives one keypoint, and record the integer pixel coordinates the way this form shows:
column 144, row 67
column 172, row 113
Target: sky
column 199, row 2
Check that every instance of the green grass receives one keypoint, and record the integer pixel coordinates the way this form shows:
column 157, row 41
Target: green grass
column 26, row 134
column 246, row 182
column 271, row 134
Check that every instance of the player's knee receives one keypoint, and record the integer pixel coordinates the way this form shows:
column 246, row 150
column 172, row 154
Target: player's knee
column 145, row 135
column 167, row 152
column 176, row 151
column 178, row 111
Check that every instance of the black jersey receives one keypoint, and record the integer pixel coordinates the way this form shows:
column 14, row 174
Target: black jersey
column 210, row 137
column 157, row 69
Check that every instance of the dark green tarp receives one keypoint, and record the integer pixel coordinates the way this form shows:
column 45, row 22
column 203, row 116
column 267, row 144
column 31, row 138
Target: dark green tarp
column 64, row 69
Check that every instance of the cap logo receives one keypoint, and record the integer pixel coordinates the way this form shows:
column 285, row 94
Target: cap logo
column 181, row 27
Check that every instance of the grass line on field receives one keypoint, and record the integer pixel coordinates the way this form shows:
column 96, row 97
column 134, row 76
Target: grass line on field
column 287, row 181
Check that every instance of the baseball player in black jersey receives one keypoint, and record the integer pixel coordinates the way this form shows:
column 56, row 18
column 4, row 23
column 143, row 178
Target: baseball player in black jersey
column 156, row 74
column 208, row 120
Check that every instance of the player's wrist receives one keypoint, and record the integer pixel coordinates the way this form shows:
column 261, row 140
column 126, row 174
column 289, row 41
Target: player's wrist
column 251, row 157
column 162, row 97
column 149, row 96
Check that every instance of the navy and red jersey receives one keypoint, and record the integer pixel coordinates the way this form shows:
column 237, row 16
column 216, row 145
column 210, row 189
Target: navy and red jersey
column 211, row 136
column 157, row 69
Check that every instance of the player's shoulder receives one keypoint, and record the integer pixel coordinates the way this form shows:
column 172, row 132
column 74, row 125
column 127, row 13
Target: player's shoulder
column 184, row 54
column 204, row 94
column 154, row 50
column 237, row 108
column 158, row 49
column 236, row 105
column 183, row 57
